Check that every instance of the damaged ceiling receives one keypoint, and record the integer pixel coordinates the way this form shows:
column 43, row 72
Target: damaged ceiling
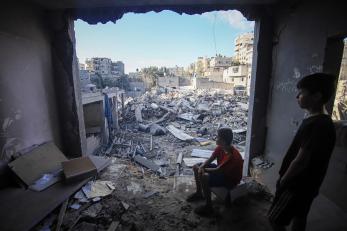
column 103, row 11
column 74, row 4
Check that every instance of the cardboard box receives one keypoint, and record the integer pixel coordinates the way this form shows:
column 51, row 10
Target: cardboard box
column 79, row 169
column 46, row 158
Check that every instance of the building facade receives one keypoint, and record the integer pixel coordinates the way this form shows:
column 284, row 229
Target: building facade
column 220, row 62
column 176, row 71
column 117, row 69
column 243, row 51
column 238, row 75
column 105, row 67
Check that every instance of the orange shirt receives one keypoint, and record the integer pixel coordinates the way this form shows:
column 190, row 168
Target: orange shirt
column 231, row 165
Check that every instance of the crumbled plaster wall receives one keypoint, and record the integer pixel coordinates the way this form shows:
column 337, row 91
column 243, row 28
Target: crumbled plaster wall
column 28, row 112
column 299, row 49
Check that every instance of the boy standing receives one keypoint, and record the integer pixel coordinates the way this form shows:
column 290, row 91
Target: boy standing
column 306, row 162
column 227, row 173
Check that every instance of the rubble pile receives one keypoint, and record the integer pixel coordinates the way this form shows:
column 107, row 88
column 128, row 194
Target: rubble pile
column 183, row 118
column 198, row 112
column 162, row 135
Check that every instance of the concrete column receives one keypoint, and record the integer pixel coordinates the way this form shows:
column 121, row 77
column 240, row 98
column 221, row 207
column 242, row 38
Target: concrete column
column 259, row 89
column 66, row 74
column 332, row 63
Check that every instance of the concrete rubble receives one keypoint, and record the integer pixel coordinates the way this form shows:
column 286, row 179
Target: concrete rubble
column 161, row 136
column 184, row 117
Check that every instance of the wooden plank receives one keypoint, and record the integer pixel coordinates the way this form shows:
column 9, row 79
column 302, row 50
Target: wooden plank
column 30, row 167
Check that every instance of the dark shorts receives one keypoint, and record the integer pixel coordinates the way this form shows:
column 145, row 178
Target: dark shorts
column 216, row 179
column 288, row 205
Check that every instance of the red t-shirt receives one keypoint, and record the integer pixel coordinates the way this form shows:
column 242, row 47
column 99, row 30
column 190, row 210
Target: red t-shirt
column 231, row 165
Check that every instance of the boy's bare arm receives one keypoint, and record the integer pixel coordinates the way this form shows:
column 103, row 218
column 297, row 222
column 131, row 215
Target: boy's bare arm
column 217, row 169
column 296, row 167
column 208, row 161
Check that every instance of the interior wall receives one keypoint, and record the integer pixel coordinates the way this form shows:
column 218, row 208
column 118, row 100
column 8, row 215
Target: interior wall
column 28, row 113
column 300, row 40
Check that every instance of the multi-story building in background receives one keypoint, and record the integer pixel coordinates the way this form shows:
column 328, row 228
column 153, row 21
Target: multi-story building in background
column 200, row 66
column 236, row 75
column 175, row 71
column 105, row 67
column 219, row 63
column 189, row 70
column 243, row 51
column 117, row 69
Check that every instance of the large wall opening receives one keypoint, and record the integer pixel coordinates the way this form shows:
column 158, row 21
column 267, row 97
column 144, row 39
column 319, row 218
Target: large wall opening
column 197, row 67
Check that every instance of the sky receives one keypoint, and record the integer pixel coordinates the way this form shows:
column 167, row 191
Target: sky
column 161, row 39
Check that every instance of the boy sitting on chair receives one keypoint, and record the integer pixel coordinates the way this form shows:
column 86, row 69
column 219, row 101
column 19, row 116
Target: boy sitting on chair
column 227, row 173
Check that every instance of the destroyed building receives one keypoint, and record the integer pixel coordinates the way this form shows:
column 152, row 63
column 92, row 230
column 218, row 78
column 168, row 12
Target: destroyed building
column 40, row 103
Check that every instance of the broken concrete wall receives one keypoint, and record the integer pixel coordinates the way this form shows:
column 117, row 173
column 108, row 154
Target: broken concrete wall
column 301, row 35
column 171, row 81
column 205, row 83
column 28, row 111
column 185, row 81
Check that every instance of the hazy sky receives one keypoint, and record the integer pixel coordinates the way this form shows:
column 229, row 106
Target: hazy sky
column 161, row 39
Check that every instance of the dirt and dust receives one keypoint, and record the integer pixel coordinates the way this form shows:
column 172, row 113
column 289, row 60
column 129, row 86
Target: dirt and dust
column 153, row 196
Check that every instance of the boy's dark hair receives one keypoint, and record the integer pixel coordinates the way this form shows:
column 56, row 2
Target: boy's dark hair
column 226, row 134
column 318, row 82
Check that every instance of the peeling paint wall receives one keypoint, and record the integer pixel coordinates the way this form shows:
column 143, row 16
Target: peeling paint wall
column 299, row 49
column 28, row 113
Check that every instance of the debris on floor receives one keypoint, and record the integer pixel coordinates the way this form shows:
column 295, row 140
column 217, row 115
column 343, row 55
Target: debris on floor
column 161, row 136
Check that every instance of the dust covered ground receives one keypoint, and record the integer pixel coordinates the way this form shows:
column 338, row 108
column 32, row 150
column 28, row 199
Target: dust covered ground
column 147, row 199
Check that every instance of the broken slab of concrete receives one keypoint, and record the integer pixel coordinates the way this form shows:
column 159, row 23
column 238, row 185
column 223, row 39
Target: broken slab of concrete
column 179, row 133
column 186, row 116
column 147, row 163
column 201, row 153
